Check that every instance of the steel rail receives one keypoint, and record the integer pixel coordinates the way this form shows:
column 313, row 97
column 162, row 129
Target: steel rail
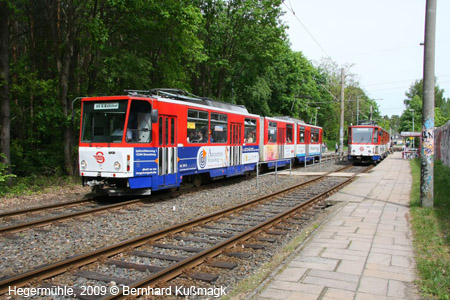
column 45, row 221
column 44, row 207
column 197, row 259
column 59, row 205
column 80, row 260
column 207, row 254
column 49, row 220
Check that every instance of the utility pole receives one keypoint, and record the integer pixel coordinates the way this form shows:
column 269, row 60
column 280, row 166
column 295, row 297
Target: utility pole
column 357, row 110
column 427, row 151
column 341, row 127
column 412, row 110
column 315, row 119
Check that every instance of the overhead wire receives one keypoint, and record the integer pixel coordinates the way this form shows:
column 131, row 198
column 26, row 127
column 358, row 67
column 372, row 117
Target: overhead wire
column 406, row 80
column 306, row 29
column 291, row 10
column 399, row 87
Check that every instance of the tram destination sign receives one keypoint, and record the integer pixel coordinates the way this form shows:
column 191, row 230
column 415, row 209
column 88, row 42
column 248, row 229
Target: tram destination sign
column 103, row 106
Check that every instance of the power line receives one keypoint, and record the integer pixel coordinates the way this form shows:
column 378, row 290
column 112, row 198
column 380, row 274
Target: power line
column 390, row 88
column 325, row 88
column 306, row 29
column 399, row 87
column 406, row 80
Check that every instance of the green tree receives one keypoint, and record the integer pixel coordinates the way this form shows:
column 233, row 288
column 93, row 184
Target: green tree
column 5, row 107
column 242, row 44
column 353, row 94
column 68, row 48
column 413, row 103
column 234, row 51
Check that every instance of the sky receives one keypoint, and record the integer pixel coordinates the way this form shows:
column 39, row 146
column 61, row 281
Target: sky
column 379, row 38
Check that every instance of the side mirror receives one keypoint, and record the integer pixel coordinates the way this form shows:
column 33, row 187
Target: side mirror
column 154, row 116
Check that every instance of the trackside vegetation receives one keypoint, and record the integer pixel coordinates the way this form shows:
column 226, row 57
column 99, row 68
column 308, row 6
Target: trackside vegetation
column 431, row 228
column 233, row 51
column 34, row 184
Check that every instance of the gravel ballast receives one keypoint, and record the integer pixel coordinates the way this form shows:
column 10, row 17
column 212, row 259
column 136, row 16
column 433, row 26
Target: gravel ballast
column 26, row 250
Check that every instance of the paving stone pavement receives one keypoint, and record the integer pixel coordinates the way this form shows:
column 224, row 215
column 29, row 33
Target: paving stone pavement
column 364, row 251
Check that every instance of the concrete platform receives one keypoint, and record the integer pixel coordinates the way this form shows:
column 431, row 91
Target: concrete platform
column 301, row 173
column 335, row 174
column 364, row 251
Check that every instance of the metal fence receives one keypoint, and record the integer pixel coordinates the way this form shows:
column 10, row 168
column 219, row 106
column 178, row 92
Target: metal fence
column 324, row 158
column 274, row 172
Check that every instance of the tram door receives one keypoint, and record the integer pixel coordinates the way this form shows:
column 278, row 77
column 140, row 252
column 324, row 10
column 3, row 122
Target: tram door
column 168, row 151
column 308, row 142
column 236, row 146
column 281, row 142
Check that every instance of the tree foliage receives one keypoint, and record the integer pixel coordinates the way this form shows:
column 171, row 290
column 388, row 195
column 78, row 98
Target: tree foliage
column 357, row 105
column 231, row 50
column 413, row 103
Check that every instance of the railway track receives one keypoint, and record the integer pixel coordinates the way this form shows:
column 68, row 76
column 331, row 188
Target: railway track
column 35, row 223
column 12, row 221
column 25, row 211
column 177, row 250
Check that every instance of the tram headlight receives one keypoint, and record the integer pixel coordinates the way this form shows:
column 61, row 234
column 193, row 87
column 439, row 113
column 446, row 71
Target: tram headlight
column 117, row 165
column 83, row 164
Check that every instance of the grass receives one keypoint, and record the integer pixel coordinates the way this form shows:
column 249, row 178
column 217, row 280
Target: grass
column 36, row 184
column 431, row 228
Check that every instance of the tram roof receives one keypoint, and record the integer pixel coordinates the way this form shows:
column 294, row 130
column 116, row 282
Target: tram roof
column 182, row 95
column 288, row 118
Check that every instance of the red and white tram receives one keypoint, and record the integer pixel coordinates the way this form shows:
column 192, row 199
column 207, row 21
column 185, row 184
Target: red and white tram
column 367, row 142
column 140, row 143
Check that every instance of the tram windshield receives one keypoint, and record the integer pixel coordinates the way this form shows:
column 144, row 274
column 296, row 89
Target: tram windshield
column 103, row 122
column 361, row 135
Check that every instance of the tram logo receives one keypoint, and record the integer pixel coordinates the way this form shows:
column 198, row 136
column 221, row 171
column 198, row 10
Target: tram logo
column 99, row 157
column 202, row 158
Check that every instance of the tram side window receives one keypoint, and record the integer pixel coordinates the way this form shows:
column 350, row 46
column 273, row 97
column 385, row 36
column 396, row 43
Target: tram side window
column 172, row 131
column 301, row 136
column 272, row 132
column 250, row 131
column 197, row 126
column 289, row 131
column 139, row 127
column 375, row 136
column 314, row 135
column 219, row 128
column 161, row 126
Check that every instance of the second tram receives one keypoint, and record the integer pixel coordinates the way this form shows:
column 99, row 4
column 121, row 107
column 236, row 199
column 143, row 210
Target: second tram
column 367, row 142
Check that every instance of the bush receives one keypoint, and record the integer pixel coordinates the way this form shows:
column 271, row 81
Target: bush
column 4, row 173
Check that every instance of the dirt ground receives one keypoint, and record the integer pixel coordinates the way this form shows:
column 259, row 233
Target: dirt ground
column 48, row 196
